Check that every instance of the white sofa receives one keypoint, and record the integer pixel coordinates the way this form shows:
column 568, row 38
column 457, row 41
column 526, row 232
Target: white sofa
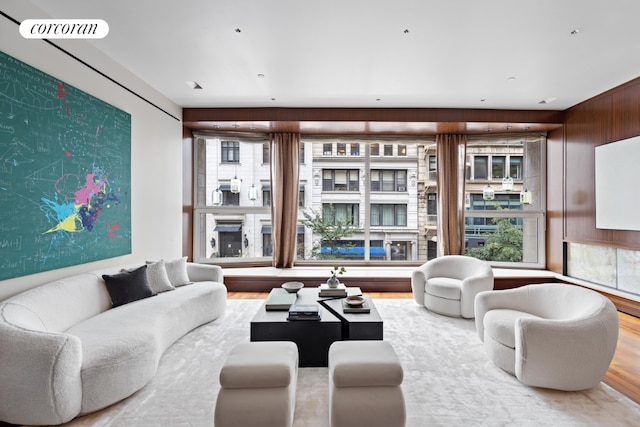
column 550, row 335
column 64, row 351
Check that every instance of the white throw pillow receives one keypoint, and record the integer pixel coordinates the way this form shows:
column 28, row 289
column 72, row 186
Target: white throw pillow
column 158, row 277
column 177, row 272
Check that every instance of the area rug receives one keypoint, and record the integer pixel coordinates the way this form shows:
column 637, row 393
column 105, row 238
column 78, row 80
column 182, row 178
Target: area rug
column 449, row 381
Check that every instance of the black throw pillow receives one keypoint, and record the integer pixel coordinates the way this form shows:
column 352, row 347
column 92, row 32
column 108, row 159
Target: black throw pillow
column 127, row 287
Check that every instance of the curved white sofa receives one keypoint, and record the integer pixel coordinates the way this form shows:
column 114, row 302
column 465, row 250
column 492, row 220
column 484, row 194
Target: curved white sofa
column 64, row 351
column 449, row 284
column 550, row 335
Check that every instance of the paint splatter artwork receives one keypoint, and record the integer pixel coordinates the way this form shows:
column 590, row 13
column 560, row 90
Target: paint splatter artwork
column 65, row 174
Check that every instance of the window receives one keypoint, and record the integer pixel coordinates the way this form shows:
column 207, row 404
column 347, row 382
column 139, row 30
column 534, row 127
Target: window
column 341, row 213
column 266, row 196
column 480, row 165
column 388, row 215
column 502, row 230
column 230, row 151
column 229, row 198
column 389, row 180
column 515, row 167
column 341, row 149
column 389, row 203
column 432, row 168
column 498, row 167
column 388, row 150
column 340, row 180
column 266, row 158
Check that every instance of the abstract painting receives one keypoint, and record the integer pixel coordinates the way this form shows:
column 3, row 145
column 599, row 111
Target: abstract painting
column 65, row 174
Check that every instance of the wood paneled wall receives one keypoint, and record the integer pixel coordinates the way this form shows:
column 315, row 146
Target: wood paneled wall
column 608, row 117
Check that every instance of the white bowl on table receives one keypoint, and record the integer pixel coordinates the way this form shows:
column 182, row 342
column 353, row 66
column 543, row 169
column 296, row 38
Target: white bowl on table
column 292, row 287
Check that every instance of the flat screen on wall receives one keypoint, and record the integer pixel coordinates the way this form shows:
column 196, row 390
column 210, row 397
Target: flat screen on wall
column 617, row 185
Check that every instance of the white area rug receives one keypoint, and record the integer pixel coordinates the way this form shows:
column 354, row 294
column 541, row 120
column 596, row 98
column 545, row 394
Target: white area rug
column 448, row 380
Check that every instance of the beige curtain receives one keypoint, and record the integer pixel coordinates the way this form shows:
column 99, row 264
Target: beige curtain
column 285, row 153
column 450, row 161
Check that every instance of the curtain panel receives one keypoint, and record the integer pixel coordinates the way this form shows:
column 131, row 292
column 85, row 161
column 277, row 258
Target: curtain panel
column 285, row 153
column 450, row 164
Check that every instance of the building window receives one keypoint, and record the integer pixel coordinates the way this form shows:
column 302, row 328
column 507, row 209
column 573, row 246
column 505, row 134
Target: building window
column 432, row 168
column 266, row 196
column 340, row 180
column 388, row 180
column 388, row 215
column 498, row 167
column 266, row 157
column 230, row 151
column 480, row 166
column 388, row 150
column 341, row 149
column 355, row 149
column 346, row 213
column 229, row 198
column 301, row 196
column 375, row 149
column 327, row 149
column 402, row 150
column 301, row 153
column 515, row 167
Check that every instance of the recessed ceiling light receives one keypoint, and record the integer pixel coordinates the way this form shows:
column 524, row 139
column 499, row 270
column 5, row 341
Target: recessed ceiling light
column 547, row 101
column 193, row 85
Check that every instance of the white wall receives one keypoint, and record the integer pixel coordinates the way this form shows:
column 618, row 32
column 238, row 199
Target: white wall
column 156, row 166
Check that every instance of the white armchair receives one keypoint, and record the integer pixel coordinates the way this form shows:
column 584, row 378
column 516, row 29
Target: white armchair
column 550, row 335
column 449, row 284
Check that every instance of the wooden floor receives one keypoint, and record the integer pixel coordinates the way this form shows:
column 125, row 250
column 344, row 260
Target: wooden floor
column 624, row 371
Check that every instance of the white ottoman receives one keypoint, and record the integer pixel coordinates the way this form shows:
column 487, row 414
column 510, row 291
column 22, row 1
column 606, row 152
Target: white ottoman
column 258, row 385
column 365, row 380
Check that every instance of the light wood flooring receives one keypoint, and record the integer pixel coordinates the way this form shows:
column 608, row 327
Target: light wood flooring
column 624, row 371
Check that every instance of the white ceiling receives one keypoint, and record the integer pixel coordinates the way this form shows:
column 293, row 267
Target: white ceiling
column 370, row 53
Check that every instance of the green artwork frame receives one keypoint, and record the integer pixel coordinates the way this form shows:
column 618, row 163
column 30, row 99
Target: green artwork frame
column 65, row 174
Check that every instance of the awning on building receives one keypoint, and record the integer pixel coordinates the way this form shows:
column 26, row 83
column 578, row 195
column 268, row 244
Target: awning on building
column 267, row 187
column 356, row 251
column 228, row 228
column 225, row 187
column 266, row 229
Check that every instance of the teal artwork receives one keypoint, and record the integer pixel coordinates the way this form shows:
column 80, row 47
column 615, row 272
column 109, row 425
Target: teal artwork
column 65, row 174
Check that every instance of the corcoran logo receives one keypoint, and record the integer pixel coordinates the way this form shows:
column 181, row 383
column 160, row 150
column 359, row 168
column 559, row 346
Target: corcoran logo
column 64, row 29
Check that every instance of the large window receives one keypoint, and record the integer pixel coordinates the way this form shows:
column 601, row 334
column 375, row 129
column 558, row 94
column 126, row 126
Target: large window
column 388, row 180
column 501, row 229
column 230, row 151
column 379, row 194
column 340, row 180
column 388, row 214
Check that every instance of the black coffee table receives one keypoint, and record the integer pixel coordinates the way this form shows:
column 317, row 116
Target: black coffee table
column 314, row 338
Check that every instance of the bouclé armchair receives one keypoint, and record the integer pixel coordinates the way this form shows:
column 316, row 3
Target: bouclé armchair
column 449, row 284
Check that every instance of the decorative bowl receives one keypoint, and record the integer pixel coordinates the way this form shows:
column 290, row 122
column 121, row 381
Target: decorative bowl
column 355, row 300
column 293, row 287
